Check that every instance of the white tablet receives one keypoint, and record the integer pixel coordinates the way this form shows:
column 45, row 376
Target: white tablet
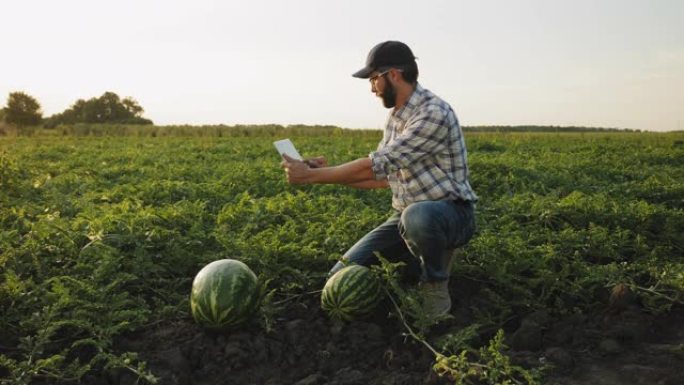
column 285, row 146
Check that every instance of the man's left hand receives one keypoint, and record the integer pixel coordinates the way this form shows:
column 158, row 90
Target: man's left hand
column 297, row 171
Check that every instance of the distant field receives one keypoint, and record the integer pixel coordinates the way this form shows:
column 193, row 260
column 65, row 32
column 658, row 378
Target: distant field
column 101, row 236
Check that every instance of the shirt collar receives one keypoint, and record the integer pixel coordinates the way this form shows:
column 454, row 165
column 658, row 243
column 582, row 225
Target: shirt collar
column 407, row 109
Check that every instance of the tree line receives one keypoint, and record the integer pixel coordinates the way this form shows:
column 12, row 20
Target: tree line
column 23, row 110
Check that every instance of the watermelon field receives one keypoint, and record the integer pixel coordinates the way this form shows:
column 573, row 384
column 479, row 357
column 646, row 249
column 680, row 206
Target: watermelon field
column 575, row 274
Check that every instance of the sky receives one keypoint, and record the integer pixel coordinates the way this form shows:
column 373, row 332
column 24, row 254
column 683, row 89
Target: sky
column 598, row 63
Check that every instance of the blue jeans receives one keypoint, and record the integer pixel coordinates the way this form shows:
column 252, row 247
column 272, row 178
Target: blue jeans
column 423, row 236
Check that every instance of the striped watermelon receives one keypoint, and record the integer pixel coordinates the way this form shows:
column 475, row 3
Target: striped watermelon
column 224, row 293
column 352, row 292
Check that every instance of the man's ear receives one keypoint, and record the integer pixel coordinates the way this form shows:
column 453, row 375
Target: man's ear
column 395, row 75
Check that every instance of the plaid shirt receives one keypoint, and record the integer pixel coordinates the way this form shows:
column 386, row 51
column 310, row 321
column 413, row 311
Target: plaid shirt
column 422, row 153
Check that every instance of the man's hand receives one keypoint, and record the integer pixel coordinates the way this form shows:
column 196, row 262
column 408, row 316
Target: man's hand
column 317, row 162
column 297, row 171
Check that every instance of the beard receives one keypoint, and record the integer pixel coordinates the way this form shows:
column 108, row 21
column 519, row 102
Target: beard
column 389, row 95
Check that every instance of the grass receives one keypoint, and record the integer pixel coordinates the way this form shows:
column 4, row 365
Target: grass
column 102, row 235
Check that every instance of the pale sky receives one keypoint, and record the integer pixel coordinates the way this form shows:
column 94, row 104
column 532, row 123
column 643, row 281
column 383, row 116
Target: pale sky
column 602, row 63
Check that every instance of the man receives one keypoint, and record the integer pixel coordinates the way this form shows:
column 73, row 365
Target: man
column 422, row 158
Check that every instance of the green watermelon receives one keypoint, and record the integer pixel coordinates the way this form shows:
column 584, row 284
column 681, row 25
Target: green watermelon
column 352, row 292
column 224, row 293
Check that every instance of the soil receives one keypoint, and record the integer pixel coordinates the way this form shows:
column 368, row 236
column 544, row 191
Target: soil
column 619, row 345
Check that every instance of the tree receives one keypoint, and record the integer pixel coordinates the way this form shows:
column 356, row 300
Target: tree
column 108, row 108
column 22, row 110
column 132, row 106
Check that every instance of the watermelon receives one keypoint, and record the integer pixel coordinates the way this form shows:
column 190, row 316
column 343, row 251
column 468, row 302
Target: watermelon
column 352, row 292
column 224, row 293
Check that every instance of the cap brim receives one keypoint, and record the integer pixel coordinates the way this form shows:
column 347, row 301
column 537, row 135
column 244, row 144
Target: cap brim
column 363, row 73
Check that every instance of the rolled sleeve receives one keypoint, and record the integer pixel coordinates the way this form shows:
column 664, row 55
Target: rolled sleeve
column 379, row 164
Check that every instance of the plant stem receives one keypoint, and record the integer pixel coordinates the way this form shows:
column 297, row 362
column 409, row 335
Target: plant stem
column 406, row 325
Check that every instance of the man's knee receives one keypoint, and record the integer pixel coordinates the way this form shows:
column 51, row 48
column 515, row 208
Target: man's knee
column 417, row 222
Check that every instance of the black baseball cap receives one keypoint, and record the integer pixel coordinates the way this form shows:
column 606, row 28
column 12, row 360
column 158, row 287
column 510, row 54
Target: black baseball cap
column 386, row 55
